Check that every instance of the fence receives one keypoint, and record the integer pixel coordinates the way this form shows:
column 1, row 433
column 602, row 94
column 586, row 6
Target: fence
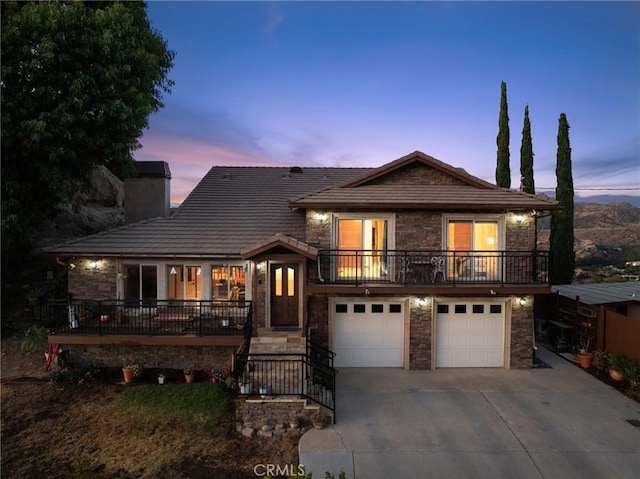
column 618, row 334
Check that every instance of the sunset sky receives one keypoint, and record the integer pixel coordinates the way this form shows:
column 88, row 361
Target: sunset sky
column 364, row 83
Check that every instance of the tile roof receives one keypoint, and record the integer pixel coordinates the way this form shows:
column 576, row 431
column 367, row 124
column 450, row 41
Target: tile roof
column 230, row 209
column 442, row 197
column 233, row 208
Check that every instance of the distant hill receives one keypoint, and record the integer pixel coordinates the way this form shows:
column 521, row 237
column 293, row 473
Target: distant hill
column 605, row 233
column 633, row 200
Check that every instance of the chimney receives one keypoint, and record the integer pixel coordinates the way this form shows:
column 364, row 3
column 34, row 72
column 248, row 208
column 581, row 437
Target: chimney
column 148, row 195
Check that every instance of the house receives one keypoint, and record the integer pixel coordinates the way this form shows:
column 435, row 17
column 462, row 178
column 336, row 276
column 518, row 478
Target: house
column 415, row 264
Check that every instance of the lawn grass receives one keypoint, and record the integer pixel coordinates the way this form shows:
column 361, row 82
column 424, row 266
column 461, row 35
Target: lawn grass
column 203, row 405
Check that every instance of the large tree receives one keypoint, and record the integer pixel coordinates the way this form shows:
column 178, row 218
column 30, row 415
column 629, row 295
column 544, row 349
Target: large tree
column 526, row 156
column 79, row 81
column 561, row 254
column 503, row 172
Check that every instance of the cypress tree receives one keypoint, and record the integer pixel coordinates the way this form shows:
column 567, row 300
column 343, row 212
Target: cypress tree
column 503, row 173
column 526, row 156
column 561, row 254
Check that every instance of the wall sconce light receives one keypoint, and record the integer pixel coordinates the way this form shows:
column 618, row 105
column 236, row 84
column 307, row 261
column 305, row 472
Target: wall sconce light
column 320, row 217
column 199, row 271
column 522, row 301
column 94, row 265
column 422, row 302
column 259, row 266
column 173, row 270
column 518, row 218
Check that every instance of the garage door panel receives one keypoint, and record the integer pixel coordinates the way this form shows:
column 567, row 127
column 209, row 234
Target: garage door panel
column 368, row 339
column 468, row 339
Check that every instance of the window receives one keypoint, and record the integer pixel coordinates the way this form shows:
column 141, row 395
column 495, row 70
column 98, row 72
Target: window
column 228, row 283
column 140, row 282
column 476, row 245
column 362, row 243
column 185, row 282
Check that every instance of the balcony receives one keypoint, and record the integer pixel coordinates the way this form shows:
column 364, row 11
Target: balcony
column 371, row 267
column 149, row 317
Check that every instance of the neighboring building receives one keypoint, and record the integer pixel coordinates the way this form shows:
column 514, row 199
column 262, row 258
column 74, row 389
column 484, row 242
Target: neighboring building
column 415, row 264
column 622, row 297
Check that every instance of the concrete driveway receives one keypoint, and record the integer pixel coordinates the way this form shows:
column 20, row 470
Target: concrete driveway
column 476, row 423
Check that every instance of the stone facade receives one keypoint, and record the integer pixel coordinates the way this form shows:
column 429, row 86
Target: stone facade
column 93, row 279
column 420, row 344
column 258, row 413
column 160, row 357
column 521, row 333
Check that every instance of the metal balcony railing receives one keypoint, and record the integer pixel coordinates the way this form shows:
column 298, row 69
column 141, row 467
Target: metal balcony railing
column 430, row 267
column 149, row 317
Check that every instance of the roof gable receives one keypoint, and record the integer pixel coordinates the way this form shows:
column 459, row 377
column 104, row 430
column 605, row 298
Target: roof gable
column 280, row 243
column 418, row 168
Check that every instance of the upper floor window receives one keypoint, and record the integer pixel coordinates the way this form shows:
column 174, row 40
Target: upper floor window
column 475, row 243
column 362, row 242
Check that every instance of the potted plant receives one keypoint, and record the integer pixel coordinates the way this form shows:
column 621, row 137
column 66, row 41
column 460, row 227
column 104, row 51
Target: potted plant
column 584, row 356
column 245, row 382
column 616, row 363
column 319, row 418
column 189, row 374
column 264, row 390
column 631, row 370
column 131, row 370
column 218, row 375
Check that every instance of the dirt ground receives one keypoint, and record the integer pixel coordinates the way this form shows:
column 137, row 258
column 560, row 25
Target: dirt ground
column 72, row 431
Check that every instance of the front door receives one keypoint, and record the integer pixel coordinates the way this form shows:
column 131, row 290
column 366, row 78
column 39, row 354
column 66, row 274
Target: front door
column 284, row 295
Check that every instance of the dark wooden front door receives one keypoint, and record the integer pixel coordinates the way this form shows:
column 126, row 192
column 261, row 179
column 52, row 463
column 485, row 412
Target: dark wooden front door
column 284, row 295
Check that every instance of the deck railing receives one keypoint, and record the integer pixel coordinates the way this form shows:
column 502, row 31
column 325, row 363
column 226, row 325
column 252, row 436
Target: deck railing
column 149, row 317
column 288, row 374
column 430, row 267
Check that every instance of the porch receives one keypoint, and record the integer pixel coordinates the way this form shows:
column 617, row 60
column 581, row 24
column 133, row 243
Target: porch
column 151, row 318
column 441, row 267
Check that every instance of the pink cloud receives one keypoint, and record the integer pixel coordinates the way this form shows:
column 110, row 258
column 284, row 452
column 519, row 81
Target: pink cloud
column 189, row 159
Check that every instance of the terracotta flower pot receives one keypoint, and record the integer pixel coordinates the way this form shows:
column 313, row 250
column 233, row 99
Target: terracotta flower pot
column 188, row 378
column 616, row 375
column 129, row 375
column 585, row 360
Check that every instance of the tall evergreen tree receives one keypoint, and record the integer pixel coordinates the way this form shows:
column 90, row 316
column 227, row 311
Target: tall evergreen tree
column 526, row 156
column 503, row 173
column 562, row 255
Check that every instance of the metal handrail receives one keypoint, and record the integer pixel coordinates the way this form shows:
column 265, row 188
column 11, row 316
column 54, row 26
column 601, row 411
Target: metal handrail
column 150, row 317
column 424, row 267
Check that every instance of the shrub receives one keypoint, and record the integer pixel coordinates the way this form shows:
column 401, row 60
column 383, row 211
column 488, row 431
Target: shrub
column 34, row 338
column 77, row 372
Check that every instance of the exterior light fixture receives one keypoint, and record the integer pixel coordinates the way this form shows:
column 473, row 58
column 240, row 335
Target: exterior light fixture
column 94, row 265
column 522, row 301
column 320, row 217
column 422, row 302
column 199, row 271
column 518, row 218
column 173, row 270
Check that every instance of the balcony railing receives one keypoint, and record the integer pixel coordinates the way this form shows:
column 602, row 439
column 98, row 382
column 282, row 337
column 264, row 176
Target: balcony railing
column 431, row 267
column 151, row 317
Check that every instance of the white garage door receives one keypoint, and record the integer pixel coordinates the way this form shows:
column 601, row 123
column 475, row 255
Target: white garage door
column 469, row 334
column 368, row 333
